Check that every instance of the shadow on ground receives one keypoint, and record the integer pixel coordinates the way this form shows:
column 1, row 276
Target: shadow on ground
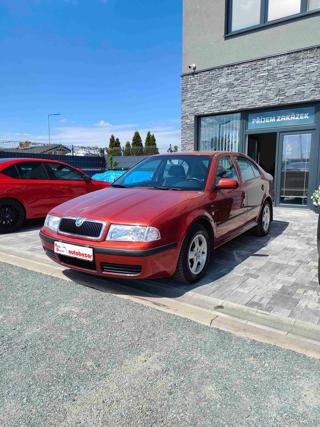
column 29, row 225
column 225, row 259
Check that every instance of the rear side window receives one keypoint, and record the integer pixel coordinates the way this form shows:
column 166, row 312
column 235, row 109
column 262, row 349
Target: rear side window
column 63, row 172
column 32, row 170
column 11, row 171
column 248, row 169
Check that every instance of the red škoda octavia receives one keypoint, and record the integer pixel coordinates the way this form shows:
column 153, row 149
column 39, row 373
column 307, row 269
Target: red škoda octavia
column 162, row 218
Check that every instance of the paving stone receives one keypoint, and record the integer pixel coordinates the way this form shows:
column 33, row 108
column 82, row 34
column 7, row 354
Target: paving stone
column 275, row 274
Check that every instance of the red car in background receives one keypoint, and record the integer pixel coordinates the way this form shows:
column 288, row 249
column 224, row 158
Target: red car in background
column 29, row 188
column 162, row 218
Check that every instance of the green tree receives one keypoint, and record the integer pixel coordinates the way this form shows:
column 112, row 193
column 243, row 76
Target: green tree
column 118, row 150
column 148, row 144
column 114, row 146
column 172, row 150
column 112, row 164
column 154, row 147
column 136, row 146
column 127, row 149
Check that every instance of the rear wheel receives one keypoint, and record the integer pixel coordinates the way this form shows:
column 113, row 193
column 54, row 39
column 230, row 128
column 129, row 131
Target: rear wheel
column 11, row 216
column 264, row 222
column 194, row 256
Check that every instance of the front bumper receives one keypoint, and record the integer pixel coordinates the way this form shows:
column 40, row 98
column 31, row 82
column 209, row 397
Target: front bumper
column 154, row 262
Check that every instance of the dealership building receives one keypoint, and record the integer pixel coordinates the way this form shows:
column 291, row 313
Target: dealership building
column 251, row 83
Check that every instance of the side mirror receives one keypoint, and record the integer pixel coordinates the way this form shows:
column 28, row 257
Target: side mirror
column 227, row 184
column 87, row 179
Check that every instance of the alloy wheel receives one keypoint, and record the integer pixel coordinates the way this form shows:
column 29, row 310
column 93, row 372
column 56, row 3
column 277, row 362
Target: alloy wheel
column 197, row 254
column 8, row 216
column 266, row 217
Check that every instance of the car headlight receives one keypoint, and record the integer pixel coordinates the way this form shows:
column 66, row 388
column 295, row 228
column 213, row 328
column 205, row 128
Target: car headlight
column 133, row 233
column 52, row 222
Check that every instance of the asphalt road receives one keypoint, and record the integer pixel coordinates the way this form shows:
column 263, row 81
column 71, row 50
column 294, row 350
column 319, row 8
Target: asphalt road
column 72, row 355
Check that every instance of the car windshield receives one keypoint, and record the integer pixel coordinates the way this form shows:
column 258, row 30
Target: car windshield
column 176, row 172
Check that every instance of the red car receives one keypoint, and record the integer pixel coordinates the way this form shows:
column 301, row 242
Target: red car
column 29, row 188
column 162, row 218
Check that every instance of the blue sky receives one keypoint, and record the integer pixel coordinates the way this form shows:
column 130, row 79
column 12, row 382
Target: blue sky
column 108, row 66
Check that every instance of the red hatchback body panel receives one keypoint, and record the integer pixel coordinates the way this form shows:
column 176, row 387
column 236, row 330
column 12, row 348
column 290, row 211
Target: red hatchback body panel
column 39, row 194
column 226, row 213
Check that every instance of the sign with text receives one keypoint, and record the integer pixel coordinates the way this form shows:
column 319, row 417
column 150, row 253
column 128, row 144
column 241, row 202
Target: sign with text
column 281, row 118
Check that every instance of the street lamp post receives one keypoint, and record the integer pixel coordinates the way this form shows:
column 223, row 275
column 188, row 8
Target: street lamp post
column 49, row 115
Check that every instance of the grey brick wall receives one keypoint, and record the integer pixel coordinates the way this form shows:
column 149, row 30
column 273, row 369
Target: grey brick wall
column 284, row 79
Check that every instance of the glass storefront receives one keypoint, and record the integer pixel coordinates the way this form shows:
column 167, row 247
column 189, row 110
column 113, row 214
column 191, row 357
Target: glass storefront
column 282, row 141
column 295, row 168
column 220, row 133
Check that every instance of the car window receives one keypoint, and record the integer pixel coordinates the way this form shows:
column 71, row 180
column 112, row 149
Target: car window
column 63, row 172
column 32, row 170
column 255, row 169
column 225, row 169
column 143, row 173
column 11, row 171
column 178, row 172
column 248, row 169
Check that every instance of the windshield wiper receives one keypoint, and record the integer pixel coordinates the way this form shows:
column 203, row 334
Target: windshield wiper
column 168, row 188
column 118, row 186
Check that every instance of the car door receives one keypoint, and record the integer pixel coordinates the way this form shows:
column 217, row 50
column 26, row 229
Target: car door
column 252, row 185
column 228, row 208
column 68, row 182
column 34, row 187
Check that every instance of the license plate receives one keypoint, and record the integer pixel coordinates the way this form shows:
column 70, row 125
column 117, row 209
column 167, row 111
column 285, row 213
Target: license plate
column 73, row 251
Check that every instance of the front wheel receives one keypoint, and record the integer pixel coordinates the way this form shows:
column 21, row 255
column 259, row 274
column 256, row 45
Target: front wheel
column 264, row 221
column 194, row 256
column 11, row 216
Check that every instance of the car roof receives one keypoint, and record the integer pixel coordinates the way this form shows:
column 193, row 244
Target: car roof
column 10, row 161
column 203, row 153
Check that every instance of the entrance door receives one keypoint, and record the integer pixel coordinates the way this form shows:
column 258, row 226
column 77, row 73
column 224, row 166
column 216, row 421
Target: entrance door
column 295, row 150
column 263, row 148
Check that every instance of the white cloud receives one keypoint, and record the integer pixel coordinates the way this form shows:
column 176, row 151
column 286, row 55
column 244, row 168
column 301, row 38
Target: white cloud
column 102, row 124
column 99, row 134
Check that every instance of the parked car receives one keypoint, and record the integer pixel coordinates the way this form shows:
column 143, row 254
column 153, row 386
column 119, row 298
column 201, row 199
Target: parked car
column 29, row 188
column 162, row 218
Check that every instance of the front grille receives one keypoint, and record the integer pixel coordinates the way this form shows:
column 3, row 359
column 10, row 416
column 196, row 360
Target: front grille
column 121, row 268
column 87, row 229
column 76, row 262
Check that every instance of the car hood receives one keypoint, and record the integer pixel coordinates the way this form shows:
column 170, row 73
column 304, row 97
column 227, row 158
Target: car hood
column 128, row 206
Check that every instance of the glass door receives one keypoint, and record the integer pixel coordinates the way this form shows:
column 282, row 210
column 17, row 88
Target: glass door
column 295, row 150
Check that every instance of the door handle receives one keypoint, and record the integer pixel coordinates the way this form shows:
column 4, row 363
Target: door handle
column 262, row 187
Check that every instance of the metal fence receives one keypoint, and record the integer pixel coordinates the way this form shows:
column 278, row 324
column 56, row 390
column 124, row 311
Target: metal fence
column 89, row 164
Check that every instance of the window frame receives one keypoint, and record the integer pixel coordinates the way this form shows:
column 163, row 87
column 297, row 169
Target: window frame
column 236, row 158
column 14, row 166
column 197, row 128
column 49, row 172
column 230, row 158
column 19, row 164
column 304, row 13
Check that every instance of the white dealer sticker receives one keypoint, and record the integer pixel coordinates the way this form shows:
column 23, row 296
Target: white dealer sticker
column 73, row 251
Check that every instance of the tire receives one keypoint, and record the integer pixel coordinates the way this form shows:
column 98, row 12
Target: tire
column 264, row 221
column 11, row 215
column 189, row 271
